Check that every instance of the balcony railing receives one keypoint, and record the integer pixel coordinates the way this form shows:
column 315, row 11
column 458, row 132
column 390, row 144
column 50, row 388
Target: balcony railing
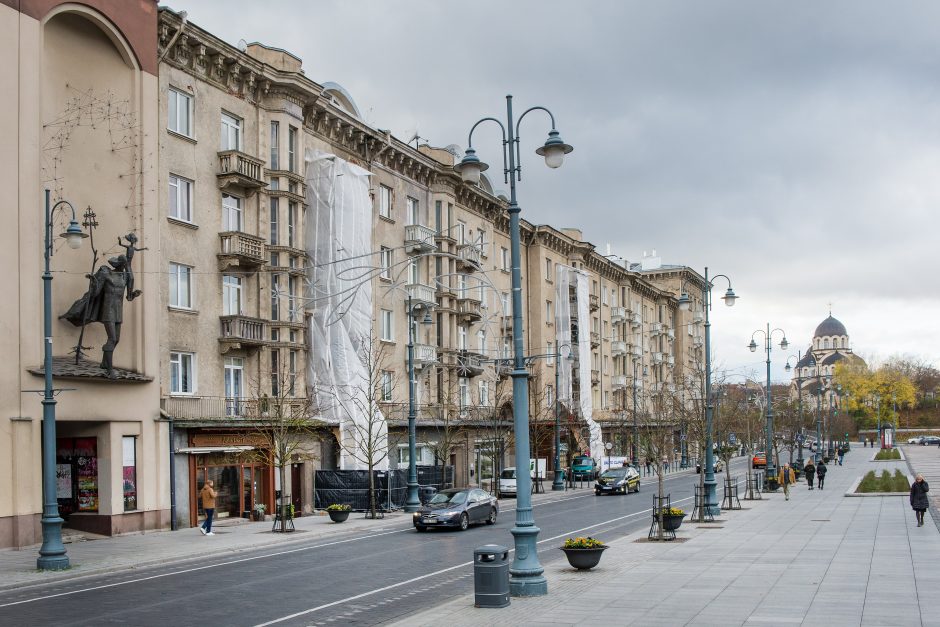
column 226, row 409
column 242, row 331
column 636, row 350
column 240, row 171
column 618, row 314
column 468, row 256
column 595, row 377
column 657, row 358
column 469, row 364
column 618, row 347
column 670, row 360
column 469, row 309
column 424, row 354
column 698, row 341
column 618, row 381
column 635, row 319
column 595, row 339
column 656, row 328
column 594, row 302
column 421, row 294
column 419, row 239
column 237, row 249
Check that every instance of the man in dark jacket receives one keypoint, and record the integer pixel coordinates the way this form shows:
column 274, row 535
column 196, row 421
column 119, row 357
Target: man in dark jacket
column 919, row 490
column 810, row 470
column 821, row 474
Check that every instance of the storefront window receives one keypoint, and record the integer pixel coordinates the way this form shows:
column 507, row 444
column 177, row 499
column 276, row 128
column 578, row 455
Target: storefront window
column 129, row 443
column 239, row 485
column 77, row 474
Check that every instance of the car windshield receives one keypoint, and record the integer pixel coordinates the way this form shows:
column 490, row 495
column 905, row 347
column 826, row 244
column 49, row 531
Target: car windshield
column 615, row 473
column 583, row 461
column 509, row 473
column 454, row 498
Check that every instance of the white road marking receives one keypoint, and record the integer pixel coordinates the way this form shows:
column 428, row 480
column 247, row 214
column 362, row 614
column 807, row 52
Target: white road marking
column 439, row 572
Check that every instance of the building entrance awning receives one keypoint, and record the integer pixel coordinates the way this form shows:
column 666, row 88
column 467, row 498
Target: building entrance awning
column 202, row 450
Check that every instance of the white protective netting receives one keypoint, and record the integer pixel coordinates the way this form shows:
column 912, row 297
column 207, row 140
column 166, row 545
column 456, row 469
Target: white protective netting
column 339, row 242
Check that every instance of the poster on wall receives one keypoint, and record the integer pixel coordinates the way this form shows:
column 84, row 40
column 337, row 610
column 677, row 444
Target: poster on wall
column 86, row 463
column 63, row 481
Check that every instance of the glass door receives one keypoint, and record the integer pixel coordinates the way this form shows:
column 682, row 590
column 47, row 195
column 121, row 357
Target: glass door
column 234, row 370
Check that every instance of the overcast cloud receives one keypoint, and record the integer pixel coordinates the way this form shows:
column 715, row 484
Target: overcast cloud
column 793, row 146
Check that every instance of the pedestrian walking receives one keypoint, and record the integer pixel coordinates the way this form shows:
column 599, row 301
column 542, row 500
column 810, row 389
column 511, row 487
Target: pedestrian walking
column 821, row 474
column 841, row 454
column 785, row 477
column 919, row 490
column 665, row 463
column 810, row 470
column 207, row 494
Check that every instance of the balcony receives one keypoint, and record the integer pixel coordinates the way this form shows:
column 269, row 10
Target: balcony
column 618, row 314
column 240, row 251
column 242, row 332
column 425, row 354
column 698, row 317
column 670, row 360
column 636, row 351
column 618, row 347
column 698, row 342
column 635, row 320
column 419, row 239
column 595, row 377
column 421, row 294
column 503, row 368
column 595, row 339
column 295, row 190
column 225, row 410
column 240, row 172
column 469, row 310
column 618, row 381
column 594, row 302
column 670, row 334
column 469, row 364
column 656, row 328
column 657, row 358
column 468, row 257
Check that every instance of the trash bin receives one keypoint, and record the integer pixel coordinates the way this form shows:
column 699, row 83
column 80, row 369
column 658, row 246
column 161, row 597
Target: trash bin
column 491, row 576
column 426, row 493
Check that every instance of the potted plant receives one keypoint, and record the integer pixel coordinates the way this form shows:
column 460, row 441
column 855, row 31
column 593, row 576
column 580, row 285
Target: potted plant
column 672, row 518
column 258, row 511
column 338, row 512
column 583, row 553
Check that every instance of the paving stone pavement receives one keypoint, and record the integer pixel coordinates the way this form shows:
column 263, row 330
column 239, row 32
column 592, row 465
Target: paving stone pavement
column 820, row 558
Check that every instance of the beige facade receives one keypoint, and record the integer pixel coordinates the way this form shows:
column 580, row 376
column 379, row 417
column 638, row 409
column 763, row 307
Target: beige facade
column 81, row 91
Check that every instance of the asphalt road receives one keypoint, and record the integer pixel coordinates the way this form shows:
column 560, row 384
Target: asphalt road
column 360, row 578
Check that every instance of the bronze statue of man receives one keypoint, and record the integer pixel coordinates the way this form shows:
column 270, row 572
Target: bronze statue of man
column 104, row 303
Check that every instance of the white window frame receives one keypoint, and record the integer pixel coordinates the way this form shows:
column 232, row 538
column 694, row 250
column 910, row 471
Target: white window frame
column 505, row 260
column 180, row 200
column 230, row 132
column 484, row 391
column 463, row 393
column 461, row 337
column 548, row 270
column 481, row 341
column 177, row 273
column 549, row 313
column 388, row 320
column 385, row 262
column 174, row 97
column 231, row 295
column 386, row 386
column 412, row 211
column 183, row 366
column 385, row 201
column 231, row 211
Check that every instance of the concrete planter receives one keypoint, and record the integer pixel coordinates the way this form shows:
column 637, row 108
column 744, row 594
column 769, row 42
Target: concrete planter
column 584, row 559
column 338, row 516
column 881, row 461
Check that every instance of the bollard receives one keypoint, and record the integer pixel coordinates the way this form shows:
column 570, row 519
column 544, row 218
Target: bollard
column 491, row 576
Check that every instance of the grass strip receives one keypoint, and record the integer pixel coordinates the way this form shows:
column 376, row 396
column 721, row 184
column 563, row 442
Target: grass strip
column 884, row 483
column 886, row 454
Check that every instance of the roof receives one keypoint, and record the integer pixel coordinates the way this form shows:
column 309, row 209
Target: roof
column 830, row 326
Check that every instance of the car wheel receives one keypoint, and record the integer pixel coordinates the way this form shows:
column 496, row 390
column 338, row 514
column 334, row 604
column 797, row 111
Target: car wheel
column 464, row 521
column 638, row 487
column 597, row 493
column 421, row 528
column 492, row 519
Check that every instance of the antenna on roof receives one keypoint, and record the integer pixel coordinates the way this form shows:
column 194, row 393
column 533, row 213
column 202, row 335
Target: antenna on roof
column 242, row 45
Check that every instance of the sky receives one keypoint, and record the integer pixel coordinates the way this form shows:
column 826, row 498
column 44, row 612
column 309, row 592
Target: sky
column 792, row 146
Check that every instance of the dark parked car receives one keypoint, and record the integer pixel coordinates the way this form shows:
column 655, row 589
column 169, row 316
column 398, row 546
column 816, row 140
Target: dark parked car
column 930, row 440
column 457, row 507
column 618, row 480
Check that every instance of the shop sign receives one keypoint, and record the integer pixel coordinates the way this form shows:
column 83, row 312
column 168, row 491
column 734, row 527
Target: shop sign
column 228, row 439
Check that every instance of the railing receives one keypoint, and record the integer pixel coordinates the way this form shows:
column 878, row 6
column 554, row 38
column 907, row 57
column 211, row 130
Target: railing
column 595, row 338
column 618, row 347
column 636, row 350
column 698, row 341
column 656, row 328
column 243, row 329
column 471, row 364
column 657, row 358
column 469, row 308
column 235, row 162
column 425, row 354
column 219, row 408
column 240, row 244
column 420, row 293
column 618, row 314
column 595, row 377
column 420, row 237
column 469, row 254
column 594, row 302
column 670, row 360
column 618, row 381
column 635, row 320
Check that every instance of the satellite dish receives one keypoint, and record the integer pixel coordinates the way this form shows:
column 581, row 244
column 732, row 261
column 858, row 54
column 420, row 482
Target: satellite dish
column 242, row 45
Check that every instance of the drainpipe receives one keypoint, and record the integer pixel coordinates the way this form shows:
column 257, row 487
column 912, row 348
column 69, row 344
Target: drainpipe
column 173, row 523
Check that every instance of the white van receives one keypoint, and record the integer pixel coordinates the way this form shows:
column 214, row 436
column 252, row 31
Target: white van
column 507, row 478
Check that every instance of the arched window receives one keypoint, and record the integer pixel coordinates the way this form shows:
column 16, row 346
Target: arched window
column 826, row 343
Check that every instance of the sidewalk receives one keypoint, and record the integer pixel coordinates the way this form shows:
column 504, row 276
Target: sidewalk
column 926, row 461
column 103, row 554
column 820, row 558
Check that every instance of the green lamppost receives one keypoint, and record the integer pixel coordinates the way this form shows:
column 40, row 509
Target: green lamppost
column 52, row 555
column 525, row 573
column 768, row 340
column 413, row 501
column 711, row 486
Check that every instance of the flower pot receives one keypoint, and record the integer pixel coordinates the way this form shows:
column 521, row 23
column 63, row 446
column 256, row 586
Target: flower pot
column 584, row 559
column 338, row 516
column 671, row 522
column 257, row 515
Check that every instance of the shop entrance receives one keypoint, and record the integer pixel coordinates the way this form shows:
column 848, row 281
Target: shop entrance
column 239, row 485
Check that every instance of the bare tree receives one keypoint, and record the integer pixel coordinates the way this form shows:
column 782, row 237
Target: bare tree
column 656, row 441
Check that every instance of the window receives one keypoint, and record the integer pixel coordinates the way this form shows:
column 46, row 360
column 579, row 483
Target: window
column 291, row 372
column 231, row 213
column 504, row 259
column 182, row 373
column 549, row 395
column 507, row 347
column 463, row 387
column 461, row 234
column 548, row 270
column 274, row 225
column 275, row 145
column 484, row 392
column 230, row 138
column 129, row 449
column 179, row 112
column 291, row 222
column 507, row 303
column 275, row 371
column 461, row 337
column 233, row 376
column 604, row 295
column 385, row 262
column 386, row 386
column 293, row 313
column 411, row 211
column 387, row 326
column 481, row 341
column 181, row 289
column 291, row 148
column 181, row 198
column 414, row 271
column 231, row 295
column 385, row 201
column 275, row 297
column 550, row 360
column 549, row 313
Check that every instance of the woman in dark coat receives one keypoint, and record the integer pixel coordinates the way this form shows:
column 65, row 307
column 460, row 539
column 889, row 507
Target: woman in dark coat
column 919, row 491
column 821, row 474
column 810, row 471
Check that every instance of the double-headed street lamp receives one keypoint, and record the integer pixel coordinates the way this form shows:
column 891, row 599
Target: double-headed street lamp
column 525, row 573
column 768, row 337
column 711, row 486
column 52, row 555
column 413, row 501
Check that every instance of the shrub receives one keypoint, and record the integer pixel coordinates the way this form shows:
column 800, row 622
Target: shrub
column 338, row 507
column 884, row 483
column 675, row 511
column 888, row 453
column 583, row 543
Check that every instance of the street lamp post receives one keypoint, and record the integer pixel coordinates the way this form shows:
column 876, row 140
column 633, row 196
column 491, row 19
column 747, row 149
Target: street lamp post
column 768, row 340
column 711, row 486
column 525, row 573
column 413, row 501
column 52, row 555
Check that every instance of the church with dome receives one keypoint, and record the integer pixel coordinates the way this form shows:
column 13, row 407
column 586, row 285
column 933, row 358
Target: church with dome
column 830, row 346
